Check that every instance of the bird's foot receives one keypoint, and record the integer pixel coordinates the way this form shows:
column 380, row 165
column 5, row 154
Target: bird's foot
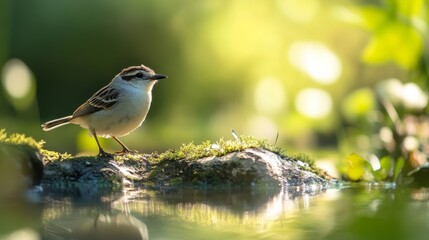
column 104, row 154
column 127, row 151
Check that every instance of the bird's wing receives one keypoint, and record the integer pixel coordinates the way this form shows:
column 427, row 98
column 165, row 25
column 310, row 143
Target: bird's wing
column 103, row 99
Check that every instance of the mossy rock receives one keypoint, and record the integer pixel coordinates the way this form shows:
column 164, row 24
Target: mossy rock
column 249, row 168
column 245, row 162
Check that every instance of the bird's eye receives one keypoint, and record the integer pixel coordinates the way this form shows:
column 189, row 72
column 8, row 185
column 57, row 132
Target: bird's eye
column 139, row 75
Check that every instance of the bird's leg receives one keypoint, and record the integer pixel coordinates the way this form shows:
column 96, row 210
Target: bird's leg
column 124, row 148
column 101, row 152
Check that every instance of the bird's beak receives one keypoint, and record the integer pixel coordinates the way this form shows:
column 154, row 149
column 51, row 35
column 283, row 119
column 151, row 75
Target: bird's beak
column 158, row 76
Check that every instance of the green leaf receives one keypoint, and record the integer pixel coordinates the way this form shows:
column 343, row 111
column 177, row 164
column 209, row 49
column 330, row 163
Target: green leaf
column 412, row 8
column 397, row 42
column 398, row 168
column 358, row 103
column 372, row 18
column 355, row 166
column 385, row 167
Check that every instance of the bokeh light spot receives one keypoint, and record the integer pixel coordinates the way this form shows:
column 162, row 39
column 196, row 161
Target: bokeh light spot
column 390, row 89
column 413, row 96
column 270, row 96
column 411, row 143
column 262, row 127
column 316, row 60
column 409, row 94
column 16, row 78
column 313, row 103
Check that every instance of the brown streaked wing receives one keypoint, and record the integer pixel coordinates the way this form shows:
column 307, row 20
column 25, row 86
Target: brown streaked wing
column 102, row 99
column 85, row 109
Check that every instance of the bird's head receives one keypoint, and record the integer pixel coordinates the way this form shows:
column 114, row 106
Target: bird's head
column 139, row 76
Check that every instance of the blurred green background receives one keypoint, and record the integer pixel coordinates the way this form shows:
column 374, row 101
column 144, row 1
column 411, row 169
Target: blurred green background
column 306, row 69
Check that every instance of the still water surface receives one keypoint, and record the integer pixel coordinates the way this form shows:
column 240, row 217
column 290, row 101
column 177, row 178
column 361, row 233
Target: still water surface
column 340, row 213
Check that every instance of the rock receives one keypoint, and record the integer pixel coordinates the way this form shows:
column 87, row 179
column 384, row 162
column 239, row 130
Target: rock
column 243, row 162
column 250, row 168
column 21, row 169
column 96, row 171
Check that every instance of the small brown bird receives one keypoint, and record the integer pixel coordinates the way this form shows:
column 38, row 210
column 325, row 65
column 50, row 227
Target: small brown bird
column 116, row 109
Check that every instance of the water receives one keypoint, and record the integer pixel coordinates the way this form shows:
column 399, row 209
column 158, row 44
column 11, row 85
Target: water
column 344, row 213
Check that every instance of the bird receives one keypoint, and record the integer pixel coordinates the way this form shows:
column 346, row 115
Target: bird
column 117, row 108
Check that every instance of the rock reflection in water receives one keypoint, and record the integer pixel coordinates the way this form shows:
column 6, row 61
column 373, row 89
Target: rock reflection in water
column 177, row 214
column 347, row 212
column 222, row 208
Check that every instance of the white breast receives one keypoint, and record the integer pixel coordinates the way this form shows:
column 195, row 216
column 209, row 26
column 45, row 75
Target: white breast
column 125, row 116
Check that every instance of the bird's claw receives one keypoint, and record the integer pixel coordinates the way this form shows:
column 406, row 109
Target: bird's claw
column 104, row 154
column 127, row 151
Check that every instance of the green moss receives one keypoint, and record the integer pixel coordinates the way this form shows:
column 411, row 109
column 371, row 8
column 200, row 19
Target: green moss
column 120, row 158
column 17, row 138
column 222, row 147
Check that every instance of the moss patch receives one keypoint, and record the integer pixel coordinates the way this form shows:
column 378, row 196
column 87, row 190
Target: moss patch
column 21, row 139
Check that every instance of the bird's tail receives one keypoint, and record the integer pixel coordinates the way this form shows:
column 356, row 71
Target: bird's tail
column 56, row 123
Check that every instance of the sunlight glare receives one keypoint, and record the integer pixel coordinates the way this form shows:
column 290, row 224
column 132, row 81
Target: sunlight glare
column 316, row 60
column 313, row 103
column 16, row 78
column 270, row 96
column 239, row 33
column 299, row 11
column 274, row 207
column 332, row 194
column 23, row 233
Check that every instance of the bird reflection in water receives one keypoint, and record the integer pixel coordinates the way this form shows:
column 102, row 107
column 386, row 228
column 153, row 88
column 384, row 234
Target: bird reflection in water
column 104, row 226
